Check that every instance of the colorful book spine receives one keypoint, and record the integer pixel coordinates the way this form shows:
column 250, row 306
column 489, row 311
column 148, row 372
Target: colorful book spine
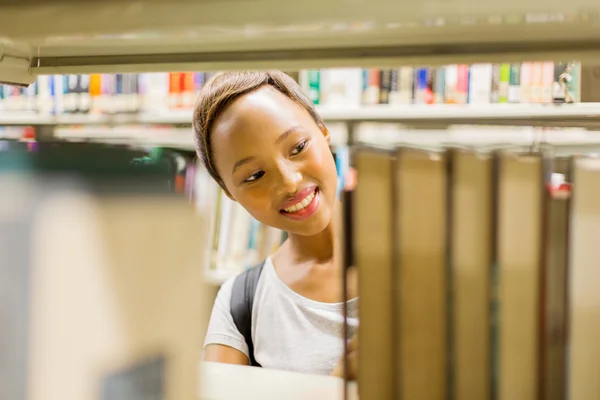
column 547, row 82
column 536, row 82
column 421, row 85
column 451, row 84
column 526, row 82
column 514, row 87
column 462, row 84
column 314, row 85
column 371, row 95
column 504, row 83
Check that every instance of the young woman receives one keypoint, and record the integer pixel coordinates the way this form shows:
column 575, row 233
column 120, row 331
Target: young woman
column 261, row 139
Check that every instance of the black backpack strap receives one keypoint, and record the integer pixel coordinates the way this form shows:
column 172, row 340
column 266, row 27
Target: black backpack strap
column 242, row 300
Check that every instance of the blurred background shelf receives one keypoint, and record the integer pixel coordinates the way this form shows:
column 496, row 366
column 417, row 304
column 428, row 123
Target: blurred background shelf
column 530, row 114
column 172, row 129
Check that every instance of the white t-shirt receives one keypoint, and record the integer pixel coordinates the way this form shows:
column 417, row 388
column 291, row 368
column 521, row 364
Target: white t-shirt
column 289, row 331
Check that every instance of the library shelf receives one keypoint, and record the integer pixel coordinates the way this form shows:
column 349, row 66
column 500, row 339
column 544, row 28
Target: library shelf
column 65, row 36
column 533, row 114
column 577, row 113
column 173, row 128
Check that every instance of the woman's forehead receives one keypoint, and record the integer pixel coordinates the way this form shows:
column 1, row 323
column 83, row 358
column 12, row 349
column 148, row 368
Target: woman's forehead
column 264, row 111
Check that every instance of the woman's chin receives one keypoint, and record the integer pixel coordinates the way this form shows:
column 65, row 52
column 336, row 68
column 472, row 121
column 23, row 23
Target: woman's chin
column 310, row 227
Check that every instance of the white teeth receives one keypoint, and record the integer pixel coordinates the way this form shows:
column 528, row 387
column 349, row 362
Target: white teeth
column 299, row 206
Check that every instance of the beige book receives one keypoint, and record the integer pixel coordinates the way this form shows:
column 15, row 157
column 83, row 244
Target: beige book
column 472, row 254
column 584, row 275
column 420, row 280
column 374, row 258
column 113, row 298
column 519, row 262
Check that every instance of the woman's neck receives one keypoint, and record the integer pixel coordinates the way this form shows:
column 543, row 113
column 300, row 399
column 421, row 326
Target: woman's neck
column 318, row 248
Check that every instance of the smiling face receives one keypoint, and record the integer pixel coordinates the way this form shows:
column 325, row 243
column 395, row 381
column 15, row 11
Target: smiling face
column 275, row 161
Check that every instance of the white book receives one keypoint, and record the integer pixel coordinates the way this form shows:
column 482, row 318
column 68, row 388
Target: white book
column 480, row 84
column 341, row 86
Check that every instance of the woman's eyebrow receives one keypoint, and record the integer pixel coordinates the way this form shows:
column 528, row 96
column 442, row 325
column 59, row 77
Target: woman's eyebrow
column 280, row 139
column 242, row 162
column 288, row 132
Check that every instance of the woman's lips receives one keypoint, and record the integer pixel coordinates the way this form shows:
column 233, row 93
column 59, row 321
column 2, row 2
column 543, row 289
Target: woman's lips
column 307, row 210
column 298, row 197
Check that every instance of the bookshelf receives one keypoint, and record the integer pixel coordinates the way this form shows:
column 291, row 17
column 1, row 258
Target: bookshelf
column 115, row 36
column 199, row 35
column 514, row 114
column 172, row 128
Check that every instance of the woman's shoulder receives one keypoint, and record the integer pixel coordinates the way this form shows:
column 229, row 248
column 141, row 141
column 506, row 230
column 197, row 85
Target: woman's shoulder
column 249, row 276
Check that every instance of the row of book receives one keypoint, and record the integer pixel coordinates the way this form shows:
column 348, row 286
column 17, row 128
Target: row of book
column 477, row 274
column 529, row 82
column 105, row 93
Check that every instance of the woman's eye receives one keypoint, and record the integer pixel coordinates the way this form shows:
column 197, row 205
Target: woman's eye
column 254, row 177
column 298, row 149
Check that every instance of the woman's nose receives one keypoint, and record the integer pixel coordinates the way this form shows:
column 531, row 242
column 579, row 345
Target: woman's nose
column 290, row 180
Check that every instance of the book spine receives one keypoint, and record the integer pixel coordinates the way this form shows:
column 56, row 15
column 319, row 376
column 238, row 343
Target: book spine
column 547, row 82
column 526, row 82
column 420, row 85
column 199, row 80
column 314, row 86
column 406, row 86
column 70, row 94
column 462, row 84
column 514, row 88
column 187, row 90
column 536, row 82
column 430, row 86
column 394, row 96
column 559, row 86
column 495, row 90
column 174, row 89
column 451, row 84
column 385, row 83
column 440, row 85
column 373, row 87
column 504, row 83
column 85, row 100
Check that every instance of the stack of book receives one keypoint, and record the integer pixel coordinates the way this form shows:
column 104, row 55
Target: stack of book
column 477, row 274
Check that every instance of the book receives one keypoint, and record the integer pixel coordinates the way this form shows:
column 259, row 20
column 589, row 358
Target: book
column 471, row 259
column 519, row 249
column 514, row 87
column 583, row 293
column 480, row 86
column 420, row 274
column 504, row 83
column 374, row 254
column 495, row 90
